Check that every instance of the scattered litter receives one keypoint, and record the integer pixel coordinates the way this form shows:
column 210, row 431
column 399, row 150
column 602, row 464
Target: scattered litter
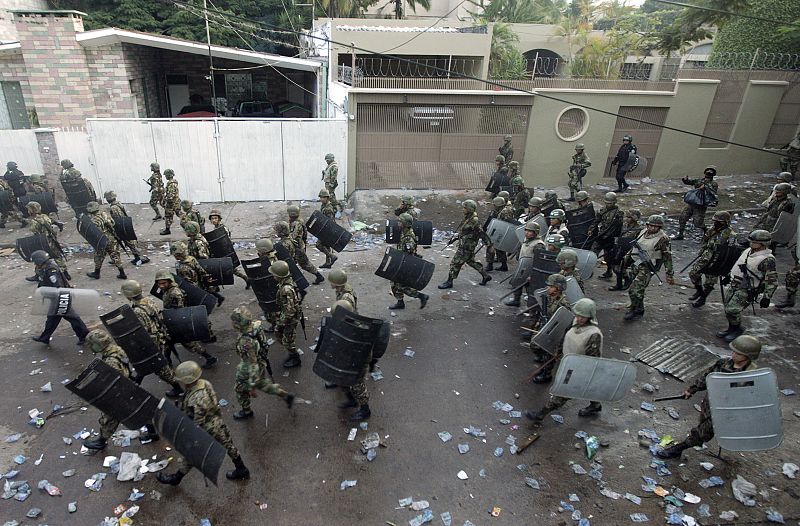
column 691, row 498
column 352, row 435
column 708, row 466
column 46, row 388
column 495, row 511
column 420, row 505
column 592, row 445
column 463, row 448
column 376, row 375
column 673, row 413
column 744, row 491
column 578, row 469
column 610, row 494
column 574, row 498
column 135, row 495
column 447, row 519
column 72, row 507
column 462, row 475
column 347, row 484
column 639, row 517
column 68, row 473
column 661, row 492
column 711, row 482
column 409, row 353
column 515, row 414
column 649, row 388
column 704, row 510
column 774, row 516
column 33, row 513
column 372, row 441
column 532, row 482
column 372, row 454
column 498, row 452
column 474, row 431
column 405, row 502
column 787, row 392
column 633, row 498
column 10, row 439
column 129, row 464
column 647, row 406
column 728, row 515
column 445, row 436
column 557, row 418
column 223, row 403
column 790, row 470
column 51, row 490
column 157, row 466
column 482, row 473
column 96, row 482
column 427, row 516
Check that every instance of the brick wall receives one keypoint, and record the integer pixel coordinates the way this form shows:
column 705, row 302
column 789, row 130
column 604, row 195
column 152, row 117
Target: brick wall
column 144, row 69
column 108, row 78
column 12, row 67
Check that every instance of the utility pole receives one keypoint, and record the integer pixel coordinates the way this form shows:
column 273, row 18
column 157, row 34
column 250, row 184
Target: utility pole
column 210, row 60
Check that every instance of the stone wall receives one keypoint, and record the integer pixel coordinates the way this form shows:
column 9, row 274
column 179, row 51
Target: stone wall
column 108, row 78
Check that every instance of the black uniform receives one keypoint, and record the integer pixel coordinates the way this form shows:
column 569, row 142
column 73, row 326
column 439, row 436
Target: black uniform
column 16, row 180
column 49, row 275
column 620, row 160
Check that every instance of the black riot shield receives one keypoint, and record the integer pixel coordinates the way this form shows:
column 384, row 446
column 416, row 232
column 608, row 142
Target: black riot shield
column 28, row 245
column 723, row 261
column 123, row 227
column 497, row 181
column 544, row 263
column 45, row 199
column 221, row 269
column 6, row 201
column 323, row 324
column 195, row 295
column 78, row 195
column 622, row 245
column 382, row 340
column 198, row 447
column 105, row 388
column 221, row 246
column 328, row 231
column 92, row 234
column 579, row 221
column 126, row 329
column 422, row 229
column 345, row 349
column 264, row 285
column 297, row 274
column 187, row 324
column 406, row 269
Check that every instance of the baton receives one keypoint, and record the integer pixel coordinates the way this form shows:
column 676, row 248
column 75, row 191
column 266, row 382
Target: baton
column 664, row 398
column 545, row 364
column 690, row 264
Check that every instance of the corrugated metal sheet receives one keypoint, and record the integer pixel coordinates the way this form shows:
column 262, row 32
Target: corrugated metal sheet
column 682, row 359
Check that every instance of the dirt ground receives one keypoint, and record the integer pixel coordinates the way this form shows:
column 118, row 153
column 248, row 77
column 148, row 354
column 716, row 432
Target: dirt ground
column 467, row 355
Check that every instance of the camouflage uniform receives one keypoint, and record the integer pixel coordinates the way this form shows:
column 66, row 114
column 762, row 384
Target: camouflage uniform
column 469, row 235
column 330, row 176
column 607, row 225
column 580, row 161
column 237, row 271
column 553, row 203
column 592, row 347
column 696, row 213
column 268, row 259
column 251, row 373
column 764, row 280
column 151, row 318
column 73, row 174
column 712, row 240
column 286, row 242
column 406, row 208
column 291, row 311
column 553, row 304
column 572, row 272
column 345, row 293
column 492, row 254
column 198, row 247
column 407, row 244
column 507, row 151
column 192, row 215
column 329, row 211
column 358, row 391
column 299, row 235
column 520, row 201
column 103, row 221
column 114, row 357
column 12, row 211
column 172, row 202
column 156, row 191
column 791, row 161
column 118, row 210
column 174, row 298
column 770, row 217
column 526, row 250
column 42, row 224
column 641, row 274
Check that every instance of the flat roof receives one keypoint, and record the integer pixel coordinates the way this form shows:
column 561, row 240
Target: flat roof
column 113, row 35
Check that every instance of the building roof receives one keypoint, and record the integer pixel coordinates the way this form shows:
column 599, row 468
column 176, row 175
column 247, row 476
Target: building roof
column 113, row 35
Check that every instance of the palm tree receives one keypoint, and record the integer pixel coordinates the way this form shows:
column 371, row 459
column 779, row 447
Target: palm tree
column 505, row 60
column 412, row 4
column 523, row 11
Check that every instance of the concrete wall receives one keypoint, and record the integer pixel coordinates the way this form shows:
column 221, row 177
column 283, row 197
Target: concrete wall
column 452, row 9
column 8, row 32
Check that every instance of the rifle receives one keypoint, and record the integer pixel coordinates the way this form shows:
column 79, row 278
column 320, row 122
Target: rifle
column 303, row 324
column 52, row 237
column 752, row 293
column 644, row 258
column 665, row 398
column 455, row 236
column 691, row 263
column 148, row 183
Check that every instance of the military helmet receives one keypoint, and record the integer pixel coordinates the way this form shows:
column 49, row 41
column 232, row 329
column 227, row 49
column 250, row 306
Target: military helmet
column 610, row 198
column 165, row 274
column 33, row 207
column 582, row 195
column 550, row 194
column 579, row 146
column 279, row 269
column 324, row 193
column 722, row 217
column 337, row 277
column 99, row 340
column 293, row 210
column 178, row 248
column 281, row 228
column 533, row 226
column 783, row 187
column 557, row 280
column 186, row 205
column 627, row 138
column 329, row 157
column 567, row 258
column 407, row 200
column 710, row 170
column 11, row 165
column 760, row 236
column 498, row 201
column 655, row 220
column 407, row 219
column 241, row 316
column 214, row 212
column 39, row 257
column 633, row 213
column 470, row 205
column 517, row 181
column 507, row 137
column 36, row 178
column 514, row 165
column 586, row 308
column 343, row 304
column 66, row 163
column 535, row 202
column 188, row 372
column 169, row 173
column 264, row 245
column 557, row 213
column 747, row 345
column 131, row 289
column 500, row 158
column 92, row 207
column 192, row 228
column 155, row 167
column 504, row 194
column 110, row 196
column 557, row 240
column 783, row 176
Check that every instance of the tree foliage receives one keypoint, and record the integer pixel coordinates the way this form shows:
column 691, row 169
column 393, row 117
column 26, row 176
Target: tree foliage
column 745, row 35
column 505, row 60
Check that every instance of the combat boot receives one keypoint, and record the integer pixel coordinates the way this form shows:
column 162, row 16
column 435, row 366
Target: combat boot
column 735, row 332
column 34, row 278
column 320, row 278
column 606, row 274
column 787, row 303
column 349, row 402
column 177, row 391
column 165, row 231
column 172, row 479
column 399, row 305
column 159, row 216
column 618, row 285
column 2, row 225
column 722, row 334
column 144, row 259
column 210, row 361
column 590, row 410
column 679, row 237
column 423, row 300
column 486, row 279
column 673, row 451
column 41, row 339
column 571, row 196
column 512, row 302
column 95, row 274
column 243, row 415
column 699, row 302
column 292, row 361
column 633, row 314
column 98, row 443
column 543, row 377
column 66, row 275
column 121, row 274
column 150, row 435
column 536, row 416
column 289, row 399
column 241, row 472
column 503, row 267
column 362, row 414
column 220, row 298
column 448, row 284
column 489, row 267
column 698, row 292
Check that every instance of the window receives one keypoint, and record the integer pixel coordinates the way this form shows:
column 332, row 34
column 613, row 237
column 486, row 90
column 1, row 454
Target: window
column 572, row 123
column 13, row 113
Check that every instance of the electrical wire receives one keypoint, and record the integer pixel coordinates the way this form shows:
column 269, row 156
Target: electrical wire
column 730, row 13
column 426, row 29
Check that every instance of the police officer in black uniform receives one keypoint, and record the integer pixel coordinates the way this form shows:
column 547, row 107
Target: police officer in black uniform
column 49, row 275
column 15, row 179
column 625, row 151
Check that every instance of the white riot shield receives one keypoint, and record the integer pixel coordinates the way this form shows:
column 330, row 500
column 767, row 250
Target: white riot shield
column 587, row 260
column 503, row 235
column 745, row 410
column 592, row 378
column 49, row 301
column 786, row 227
column 573, row 291
column 543, row 226
column 550, row 336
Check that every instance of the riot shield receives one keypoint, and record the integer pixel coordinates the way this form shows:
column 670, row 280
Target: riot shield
column 622, row 245
column 586, row 262
column 28, row 245
column 45, row 199
column 105, row 388
column 573, row 291
column 551, row 335
column 406, row 269
column 786, row 227
column 635, row 163
column 221, row 269
column 297, row 274
column 221, row 246
column 592, row 378
column 187, row 324
column 92, row 234
column 323, row 323
column 522, row 272
column 52, row 301
column 382, row 340
column 503, row 235
column 345, row 349
column 422, row 229
column 745, row 410
column 78, row 195
column 6, row 201
column 544, row 263
column 264, row 285
column 328, row 231
column 195, row 295
column 198, row 447
column 579, row 221
column 123, row 227
column 498, row 182
column 126, row 329
column 540, row 220
column 723, row 260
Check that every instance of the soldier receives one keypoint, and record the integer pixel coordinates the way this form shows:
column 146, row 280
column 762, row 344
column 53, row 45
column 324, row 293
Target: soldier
column 621, row 159
column 513, row 169
column 781, row 203
column 200, row 403
column 197, row 244
column 792, row 281
column 344, row 291
column 15, row 179
column 152, row 319
column 500, row 175
column 156, row 184
column 215, row 217
column 36, row 185
column 174, row 298
column 554, row 242
column 468, row 236
column 172, row 201
column 8, row 209
column 556, row 285
column 268, row 256
column 299, row 235
column 103, row 221
column 746, row 350
column 328, row 210
column 586, row 338
column 557, row 218
column 534, row 209
column 607, row 225
column 189, row 213
column 552, row 202
column 42, row 224
column 568, row 261
column 100, row 342
column 531, row 243
column 188, row 268
column 70, row 173
column 719, row 234
column 631, row 229
column 283, row 232
column 697, row 213
column 330, row 177
column 791, row 161
column 507, row 150
column 291, row 311
column 406, row 207
column 357, row 394
column 254, row 371
column 118, row 210
column 521, row 195
column 407, row 244
column 582, row 198
column 580, row 162
column 754, row 273
column 504, row 212
column 49, row 274
column 653, row 249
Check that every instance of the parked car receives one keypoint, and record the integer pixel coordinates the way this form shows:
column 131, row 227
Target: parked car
column 256, row 109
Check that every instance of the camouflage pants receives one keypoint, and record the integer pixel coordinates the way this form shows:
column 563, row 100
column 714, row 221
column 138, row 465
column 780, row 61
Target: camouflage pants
column 704, row 430
column 301, row 258
column 169, row 215
column 167, row 374
column 238, row 272
column 335, row 202
column 58, row 258
column 112, row 250
column 133, row 246
column 398, row 291
column 107, row 426
column 359, row 390
column 641, row 279
column 793, row 278
column 461, row 257
column 697, row 278
column 574, row 183
column 155, row 200
column 738, row 300
column 326, row 250
column 287, row 332
column 14, row 215
column 493, row 255
column 696, row 213
column 243, row 386
column 216, row 428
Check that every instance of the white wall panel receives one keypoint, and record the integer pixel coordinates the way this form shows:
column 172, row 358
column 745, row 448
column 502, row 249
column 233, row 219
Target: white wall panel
column 123, row 151
column 252, row 160
column 74, row 145
column 305, row 144
column 20, row 146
